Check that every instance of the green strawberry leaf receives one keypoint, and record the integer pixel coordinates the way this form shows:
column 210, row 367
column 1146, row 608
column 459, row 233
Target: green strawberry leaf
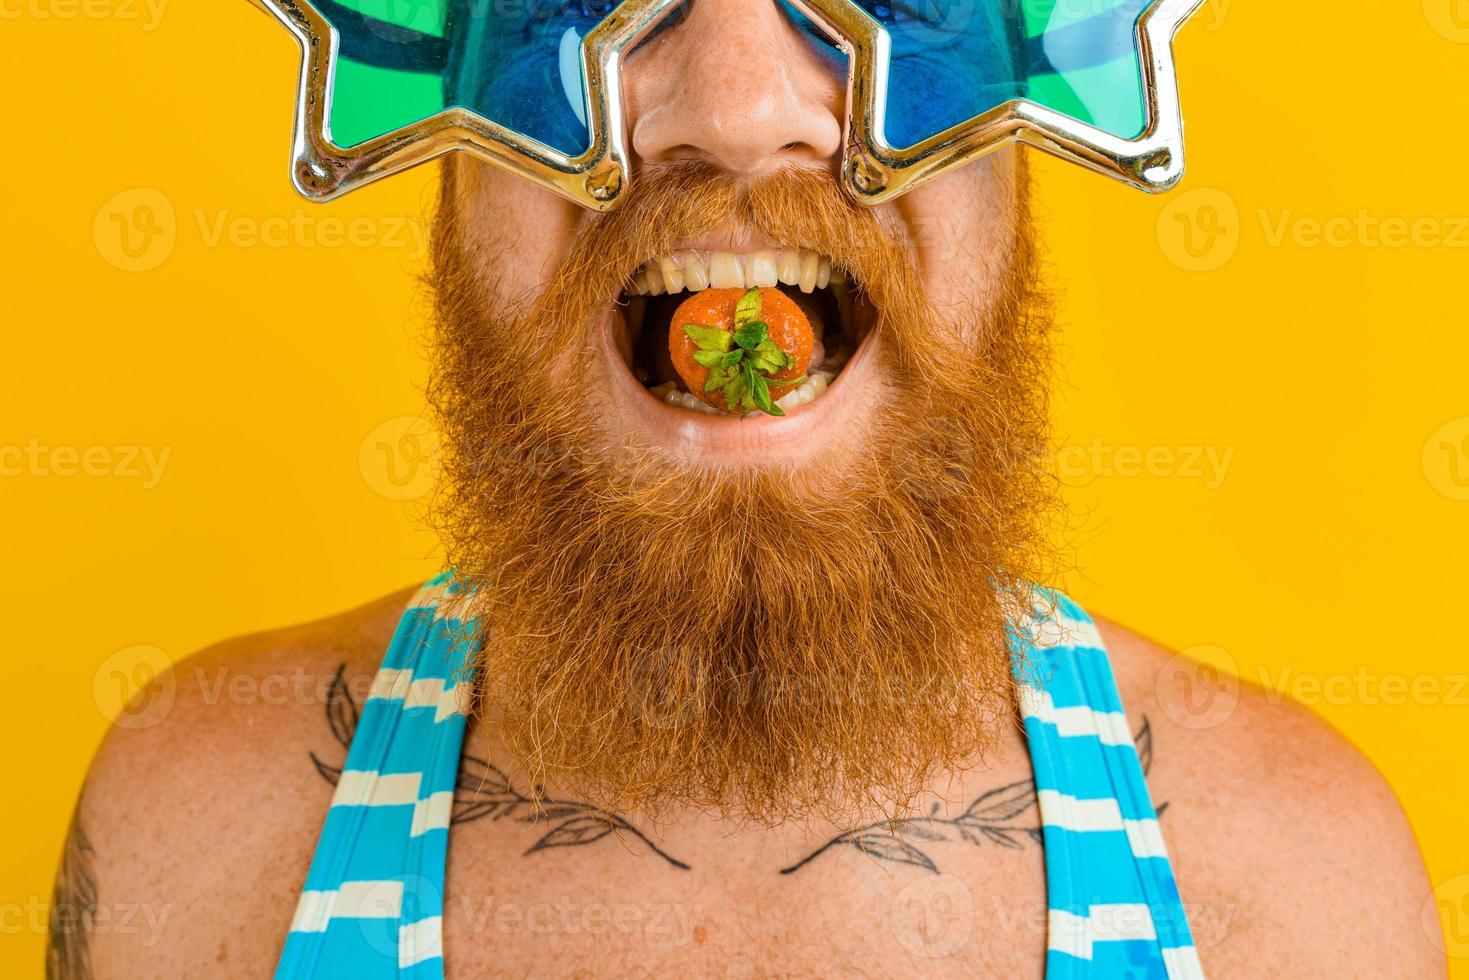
column 748, row 308
column 732, row 358
column 748, row 377
column 710, row 359
column 751, row 335
column 708, row 338
column 760, row 393
column 764, row 365
column 734, row 389
column 719, row 377
column 768, row 357
column 783, row 384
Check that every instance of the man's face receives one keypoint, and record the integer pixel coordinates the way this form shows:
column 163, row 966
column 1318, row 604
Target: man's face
column 734, row 84
column 774, row 614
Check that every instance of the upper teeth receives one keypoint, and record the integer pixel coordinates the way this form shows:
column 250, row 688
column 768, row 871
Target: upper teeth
column 694, row 270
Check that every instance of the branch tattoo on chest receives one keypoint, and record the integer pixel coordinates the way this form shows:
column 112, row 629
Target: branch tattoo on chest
column 1006, row 816
column 483, row 791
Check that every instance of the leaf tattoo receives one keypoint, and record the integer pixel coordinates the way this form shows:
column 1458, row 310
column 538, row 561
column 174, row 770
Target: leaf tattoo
column 483, row 790
column 73, row 908
column 1003, row 817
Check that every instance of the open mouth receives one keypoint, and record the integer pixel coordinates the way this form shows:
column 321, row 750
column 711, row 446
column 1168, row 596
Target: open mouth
column 833, row 303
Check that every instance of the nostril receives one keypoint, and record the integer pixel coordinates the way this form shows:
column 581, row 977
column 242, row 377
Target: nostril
column 736, row 85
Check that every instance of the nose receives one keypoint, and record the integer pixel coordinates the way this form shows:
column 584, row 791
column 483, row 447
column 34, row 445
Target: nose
column 734, row 83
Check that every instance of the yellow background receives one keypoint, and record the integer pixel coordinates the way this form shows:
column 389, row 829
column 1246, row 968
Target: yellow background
column 271, row 358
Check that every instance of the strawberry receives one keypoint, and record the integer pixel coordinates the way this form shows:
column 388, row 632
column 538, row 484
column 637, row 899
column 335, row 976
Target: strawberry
column 740, row 350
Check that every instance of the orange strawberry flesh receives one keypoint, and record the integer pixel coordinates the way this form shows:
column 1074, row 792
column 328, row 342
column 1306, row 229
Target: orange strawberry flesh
column 789, row 327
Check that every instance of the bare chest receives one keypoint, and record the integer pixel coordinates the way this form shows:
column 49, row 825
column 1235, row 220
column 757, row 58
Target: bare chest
column 711, row 905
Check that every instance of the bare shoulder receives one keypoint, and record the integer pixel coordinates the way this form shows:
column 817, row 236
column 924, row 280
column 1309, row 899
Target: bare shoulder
column 195, row 825
column 1292, row 853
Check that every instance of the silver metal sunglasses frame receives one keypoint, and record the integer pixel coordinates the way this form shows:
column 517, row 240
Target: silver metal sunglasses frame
column 872, row 171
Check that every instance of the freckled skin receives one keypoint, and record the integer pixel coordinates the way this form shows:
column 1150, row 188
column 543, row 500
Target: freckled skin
column 788, row 325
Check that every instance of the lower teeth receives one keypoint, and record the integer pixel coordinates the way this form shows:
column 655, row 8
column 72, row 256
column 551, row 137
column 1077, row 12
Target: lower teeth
column 808, row 391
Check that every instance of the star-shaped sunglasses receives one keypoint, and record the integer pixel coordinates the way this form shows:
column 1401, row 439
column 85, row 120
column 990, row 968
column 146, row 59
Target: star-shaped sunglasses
column 534, row 86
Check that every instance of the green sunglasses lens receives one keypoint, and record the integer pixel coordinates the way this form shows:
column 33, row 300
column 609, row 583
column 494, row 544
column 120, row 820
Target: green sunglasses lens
column 514, row 62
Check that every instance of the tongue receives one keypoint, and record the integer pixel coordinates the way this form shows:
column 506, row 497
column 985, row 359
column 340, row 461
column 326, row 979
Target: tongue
column 811, row 306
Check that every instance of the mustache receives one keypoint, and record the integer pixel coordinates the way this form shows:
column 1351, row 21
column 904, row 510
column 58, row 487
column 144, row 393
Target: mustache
column 797, row 207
